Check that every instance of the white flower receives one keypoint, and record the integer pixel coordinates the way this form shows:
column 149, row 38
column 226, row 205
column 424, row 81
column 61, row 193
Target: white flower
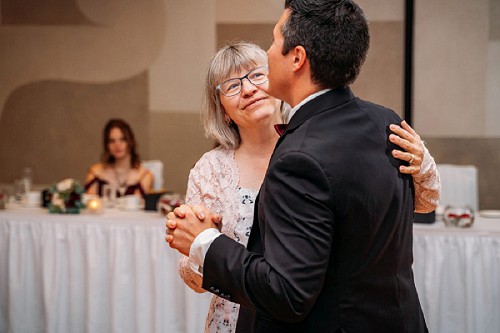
column 58, row 202
column 64, row 185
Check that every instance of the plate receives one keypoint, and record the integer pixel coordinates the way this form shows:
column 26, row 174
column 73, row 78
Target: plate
column 489, row 213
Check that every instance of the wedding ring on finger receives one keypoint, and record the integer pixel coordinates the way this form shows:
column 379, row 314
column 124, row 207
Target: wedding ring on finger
column 412, row 158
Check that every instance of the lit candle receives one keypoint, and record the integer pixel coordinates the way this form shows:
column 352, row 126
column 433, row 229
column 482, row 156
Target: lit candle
column 95, row 206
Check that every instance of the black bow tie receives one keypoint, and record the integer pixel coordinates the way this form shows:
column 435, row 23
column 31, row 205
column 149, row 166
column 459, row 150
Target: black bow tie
column 280, row 128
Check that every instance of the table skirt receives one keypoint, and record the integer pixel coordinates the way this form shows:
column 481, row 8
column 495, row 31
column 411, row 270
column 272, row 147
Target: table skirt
column 93, row 276
column 457, row 274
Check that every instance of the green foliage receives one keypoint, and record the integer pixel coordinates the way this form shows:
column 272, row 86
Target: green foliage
column 66, row 197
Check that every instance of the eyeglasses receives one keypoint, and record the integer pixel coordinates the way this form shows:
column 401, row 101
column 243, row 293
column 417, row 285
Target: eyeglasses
column 233, row 87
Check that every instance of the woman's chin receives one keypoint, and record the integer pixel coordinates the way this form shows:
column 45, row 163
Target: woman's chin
column 120, row 156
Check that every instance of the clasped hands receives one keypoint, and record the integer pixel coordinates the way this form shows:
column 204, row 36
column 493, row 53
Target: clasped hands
column 186, row 222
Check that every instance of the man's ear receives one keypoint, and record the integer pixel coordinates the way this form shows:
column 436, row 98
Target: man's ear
column 299, row 57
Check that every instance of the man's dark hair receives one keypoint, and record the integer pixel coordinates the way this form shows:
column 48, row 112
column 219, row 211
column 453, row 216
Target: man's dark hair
column 334, row 34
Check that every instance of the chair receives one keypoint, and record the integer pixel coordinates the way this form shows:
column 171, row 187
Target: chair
column 156, row 168
column 458, row 185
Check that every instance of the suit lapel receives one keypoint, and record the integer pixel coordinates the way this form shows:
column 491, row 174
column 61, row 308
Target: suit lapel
column 327, row 101
column 255, row 240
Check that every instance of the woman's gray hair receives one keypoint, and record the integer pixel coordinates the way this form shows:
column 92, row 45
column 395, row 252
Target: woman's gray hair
column 233, row 57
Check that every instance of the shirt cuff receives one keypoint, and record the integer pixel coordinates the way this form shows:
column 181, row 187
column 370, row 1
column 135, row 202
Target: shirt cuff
column 200, row 247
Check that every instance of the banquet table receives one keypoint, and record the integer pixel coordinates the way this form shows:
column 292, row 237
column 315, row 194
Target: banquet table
column 92, row 273
column 115, row 273
column 457, row 274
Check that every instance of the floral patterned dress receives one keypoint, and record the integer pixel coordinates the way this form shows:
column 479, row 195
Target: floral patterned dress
column 223, row 314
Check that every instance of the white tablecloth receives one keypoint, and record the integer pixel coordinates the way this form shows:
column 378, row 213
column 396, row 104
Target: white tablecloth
column 87, row 273
column 115, row 273
column 457, row 273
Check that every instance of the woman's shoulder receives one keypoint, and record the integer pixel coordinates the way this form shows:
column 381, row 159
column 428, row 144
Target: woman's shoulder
column 141, row 169
column 216, row 158
column 96, row 169
column 215, row 166
column 143, row 173
column 213, row 180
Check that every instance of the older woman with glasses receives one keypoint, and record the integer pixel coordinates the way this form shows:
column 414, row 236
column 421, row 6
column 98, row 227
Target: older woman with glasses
column 240, row 116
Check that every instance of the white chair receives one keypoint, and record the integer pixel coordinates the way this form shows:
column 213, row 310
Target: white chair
column 458, row 185
column 156, row 168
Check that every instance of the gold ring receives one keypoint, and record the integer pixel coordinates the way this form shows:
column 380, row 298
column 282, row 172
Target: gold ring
column 411, row 159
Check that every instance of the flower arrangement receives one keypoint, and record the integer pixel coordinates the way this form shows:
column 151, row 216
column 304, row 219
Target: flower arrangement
column 66, row 197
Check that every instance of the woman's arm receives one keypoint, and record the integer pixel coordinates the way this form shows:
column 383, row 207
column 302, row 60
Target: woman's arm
column 147, row 181
column 193, row 197
column 91, row 174
column 421, row 166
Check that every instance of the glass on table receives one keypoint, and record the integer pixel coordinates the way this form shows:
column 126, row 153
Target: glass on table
column 27, row 179
column 109, row 195
column 19, row 190
column 458, row 216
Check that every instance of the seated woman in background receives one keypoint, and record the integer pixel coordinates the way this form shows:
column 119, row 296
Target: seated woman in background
column 120, row 166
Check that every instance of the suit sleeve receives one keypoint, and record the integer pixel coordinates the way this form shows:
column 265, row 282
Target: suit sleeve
column 295, row 211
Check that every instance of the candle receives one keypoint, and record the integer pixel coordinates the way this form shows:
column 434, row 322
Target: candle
column 95, row 206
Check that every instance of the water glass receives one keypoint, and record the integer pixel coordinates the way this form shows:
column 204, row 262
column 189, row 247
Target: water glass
column 27, row 179
column 109, row 195
column 19, row 190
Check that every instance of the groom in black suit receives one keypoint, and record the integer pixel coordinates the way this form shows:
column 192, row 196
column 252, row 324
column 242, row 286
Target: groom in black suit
column 331, row 243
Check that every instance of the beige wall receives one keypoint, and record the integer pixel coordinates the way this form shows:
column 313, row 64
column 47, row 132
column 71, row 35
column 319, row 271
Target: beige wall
column 454, row 58
column 66, row 66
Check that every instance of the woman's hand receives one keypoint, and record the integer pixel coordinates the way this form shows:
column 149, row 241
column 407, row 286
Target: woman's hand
column 412, row 147
column 185, row 223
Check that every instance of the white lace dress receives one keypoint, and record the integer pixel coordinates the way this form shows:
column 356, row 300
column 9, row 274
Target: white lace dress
column 214, row 181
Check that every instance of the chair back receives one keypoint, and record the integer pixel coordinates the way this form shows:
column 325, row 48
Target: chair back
column 156, row 168
column 458, row 185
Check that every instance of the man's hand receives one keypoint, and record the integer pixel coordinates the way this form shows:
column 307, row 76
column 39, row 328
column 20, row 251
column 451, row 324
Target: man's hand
column 187, row 222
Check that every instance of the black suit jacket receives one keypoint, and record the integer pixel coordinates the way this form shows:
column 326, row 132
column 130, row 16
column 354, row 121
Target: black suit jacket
column 331, row 243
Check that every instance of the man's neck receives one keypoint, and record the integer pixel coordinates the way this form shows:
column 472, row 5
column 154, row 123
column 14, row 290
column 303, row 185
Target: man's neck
column 305, row 100
column 301, row 90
